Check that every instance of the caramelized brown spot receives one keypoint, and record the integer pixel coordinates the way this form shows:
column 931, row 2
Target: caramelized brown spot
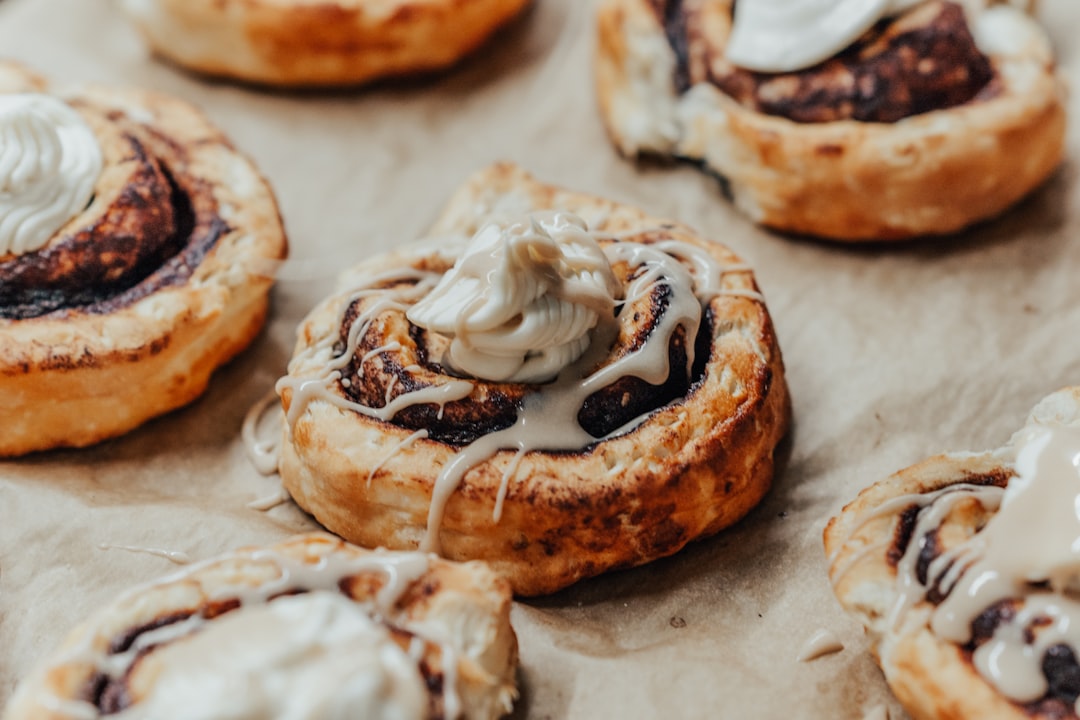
column 1062, row 673
column 905, row 526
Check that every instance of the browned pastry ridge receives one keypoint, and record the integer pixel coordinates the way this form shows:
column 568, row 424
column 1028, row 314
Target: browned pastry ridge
column 929, row 123
column 699, row 462
column 458, row 614
column 296, row 43
column 133, row 303
column 936, row 679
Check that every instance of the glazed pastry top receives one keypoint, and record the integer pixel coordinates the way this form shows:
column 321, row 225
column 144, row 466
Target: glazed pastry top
column 648, row 337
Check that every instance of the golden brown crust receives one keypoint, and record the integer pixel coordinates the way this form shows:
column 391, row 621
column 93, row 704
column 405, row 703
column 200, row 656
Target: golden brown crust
column 931, row 173
column 466, row 603
column 331, row 42
column 96, row 368
column 694, row 467
column 934, row 679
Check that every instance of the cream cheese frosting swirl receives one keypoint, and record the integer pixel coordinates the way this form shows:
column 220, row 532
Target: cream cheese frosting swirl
column 50, row 161
column 521, row 300
column 788, row 35
column 314, row 656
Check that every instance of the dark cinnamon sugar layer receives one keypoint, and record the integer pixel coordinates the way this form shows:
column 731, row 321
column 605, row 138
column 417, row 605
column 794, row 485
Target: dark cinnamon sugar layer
column 923, row 60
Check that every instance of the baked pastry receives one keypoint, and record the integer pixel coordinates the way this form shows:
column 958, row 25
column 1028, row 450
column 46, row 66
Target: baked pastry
column 296, row 43
column 136, row 252
column 308, row 628
column 558, row 384
column 964, row 569
column 925, row 123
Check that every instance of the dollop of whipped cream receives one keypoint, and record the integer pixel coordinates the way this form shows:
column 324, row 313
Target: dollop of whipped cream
column 521, row 300
column 49, row 163
column 787, row 35
column 315, row 656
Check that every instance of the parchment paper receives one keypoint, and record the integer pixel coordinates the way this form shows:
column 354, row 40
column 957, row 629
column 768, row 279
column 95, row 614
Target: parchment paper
column 892, row 355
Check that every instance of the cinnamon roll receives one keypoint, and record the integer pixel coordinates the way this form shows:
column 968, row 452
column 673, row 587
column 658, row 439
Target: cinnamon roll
column 308, row 628
column 135, row 250
column 558, row 384
column 850, row 121
column 297, row 43
column 964, row 569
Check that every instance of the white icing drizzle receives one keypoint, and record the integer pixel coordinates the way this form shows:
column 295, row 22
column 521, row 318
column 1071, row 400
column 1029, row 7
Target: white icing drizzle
column 504, row 484
column 548, row 418
column 271, row 501
column 388, row 347
column 389, row 389
column 174, row 556
column 787, row 35
column 263, row 454
column 823, row 642
column 305, row 656
column 50, row 161
column 406, row 443
column 1028, row 553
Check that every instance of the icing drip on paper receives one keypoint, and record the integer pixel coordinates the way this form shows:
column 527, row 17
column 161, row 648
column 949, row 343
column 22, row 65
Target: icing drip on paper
column 173, row 556
column 821, row 643
column 271, row 501
column 263, row 454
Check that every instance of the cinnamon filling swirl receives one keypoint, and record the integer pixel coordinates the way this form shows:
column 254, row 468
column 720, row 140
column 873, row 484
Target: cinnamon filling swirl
column 148, row 226
column 394, row 358
column 926, row 59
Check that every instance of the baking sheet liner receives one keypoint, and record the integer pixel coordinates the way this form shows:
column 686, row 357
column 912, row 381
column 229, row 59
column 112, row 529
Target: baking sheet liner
column 892, row 355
